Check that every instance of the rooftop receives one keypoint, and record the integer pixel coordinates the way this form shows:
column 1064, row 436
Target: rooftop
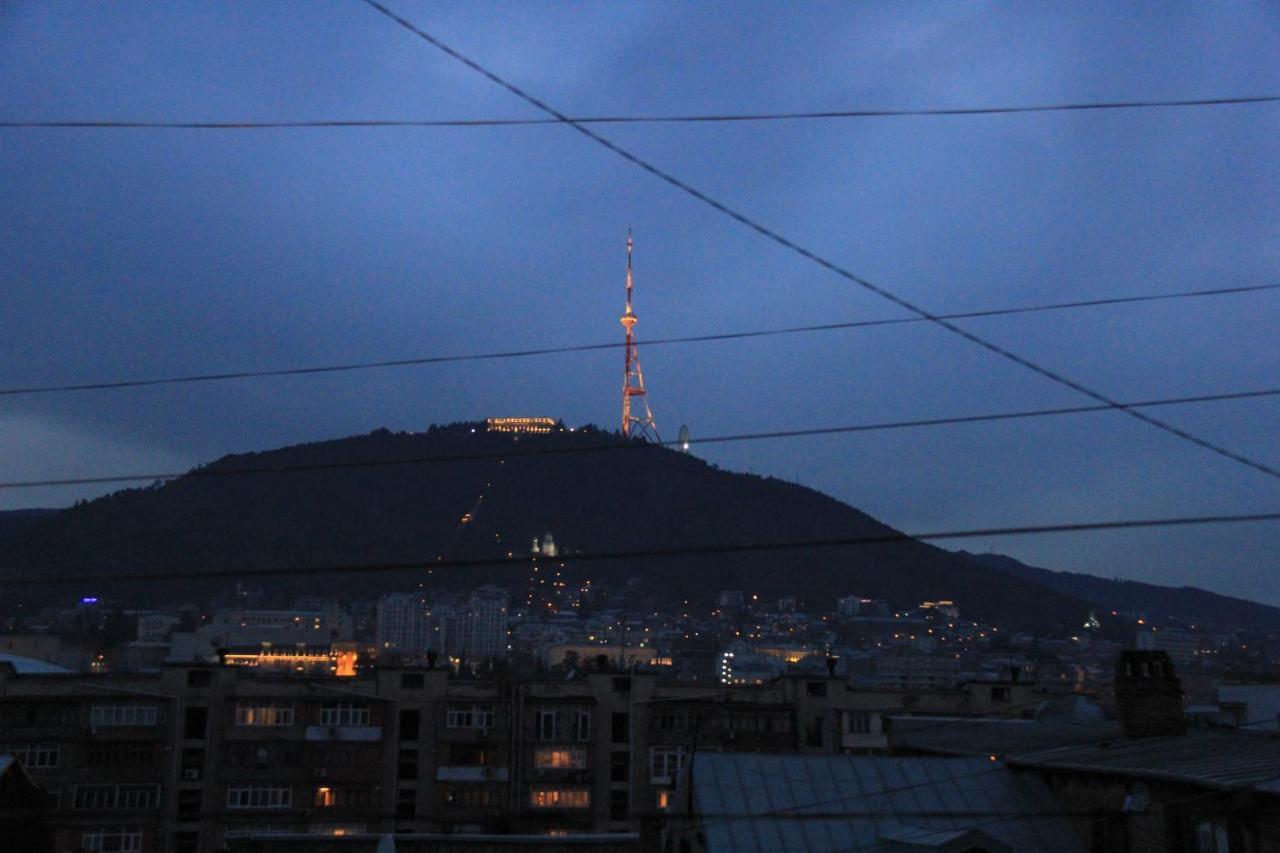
column 816, row 803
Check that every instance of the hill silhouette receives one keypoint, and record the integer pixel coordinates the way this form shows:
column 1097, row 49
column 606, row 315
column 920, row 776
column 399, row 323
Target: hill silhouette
column 592, row 490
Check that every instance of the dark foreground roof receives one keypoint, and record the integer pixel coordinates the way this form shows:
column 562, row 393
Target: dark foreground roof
column 1225, row 759
column 827, row 803
column 999, row 737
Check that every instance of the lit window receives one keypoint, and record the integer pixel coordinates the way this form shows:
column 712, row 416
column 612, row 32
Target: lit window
column 664, row 800
column 264, row 714
column 559, row 798
column 560, row 758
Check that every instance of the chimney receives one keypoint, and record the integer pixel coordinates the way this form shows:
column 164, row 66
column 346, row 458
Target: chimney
column 1148, row 695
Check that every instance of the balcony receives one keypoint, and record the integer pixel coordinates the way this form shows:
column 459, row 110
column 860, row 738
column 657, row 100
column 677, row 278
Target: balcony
column 475, row 773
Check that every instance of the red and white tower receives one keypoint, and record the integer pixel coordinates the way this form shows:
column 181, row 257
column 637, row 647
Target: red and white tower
column 634, row 424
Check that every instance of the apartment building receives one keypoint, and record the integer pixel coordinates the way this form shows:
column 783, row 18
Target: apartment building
column 197, row 755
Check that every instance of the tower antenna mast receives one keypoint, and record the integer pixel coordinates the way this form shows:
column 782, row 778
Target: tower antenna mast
column 633, row 424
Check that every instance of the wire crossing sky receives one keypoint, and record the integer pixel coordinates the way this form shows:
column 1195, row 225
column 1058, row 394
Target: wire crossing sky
column 137, row 255
column 879, row 290
column 107, row 124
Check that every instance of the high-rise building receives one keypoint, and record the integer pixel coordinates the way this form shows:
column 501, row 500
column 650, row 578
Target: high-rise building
column 486, row 624
column 401, row 624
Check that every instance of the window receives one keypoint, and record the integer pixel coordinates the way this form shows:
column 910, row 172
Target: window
column 120, row 753
column 664, row 800
column 857, row 723
column 344, row 714
column 472, row 717
column 409, row 720
column 112, row 840
column 327, row 797
column 671, row 722
column 123, row 714
column 408, row 764
column 582, row 725
column 36, row 755
column 264, row 714
column 813, row 737
column 816, row 689
column 999, row 694
column 189, row 801
column 620, row 767
column 1212, row 836
column 199, row 678
column 621, row 723
column 546, row 723
column 665, row 764
column 619, row 805
column 560, row 758
column 412, row 681
column 259, row 797
column 559, row 798
column 195, row 722
column 470, row 755
column 406, row 803
column 117, row 796
column 467, row 796
column 622, row 684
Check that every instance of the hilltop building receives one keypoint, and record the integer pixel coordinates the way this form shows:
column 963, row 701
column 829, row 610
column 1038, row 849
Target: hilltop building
column 520, row 425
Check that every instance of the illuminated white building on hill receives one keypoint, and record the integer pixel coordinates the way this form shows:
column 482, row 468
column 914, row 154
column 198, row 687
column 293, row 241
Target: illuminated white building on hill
column 526, row 425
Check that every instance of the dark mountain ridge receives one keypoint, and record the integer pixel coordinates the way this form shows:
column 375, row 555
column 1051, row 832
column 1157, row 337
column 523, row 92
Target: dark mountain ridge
column 373, row 500
column 1184, row 604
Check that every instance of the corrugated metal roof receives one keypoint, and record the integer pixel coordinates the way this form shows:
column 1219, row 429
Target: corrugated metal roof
column 827, row 803
column 1229, row 759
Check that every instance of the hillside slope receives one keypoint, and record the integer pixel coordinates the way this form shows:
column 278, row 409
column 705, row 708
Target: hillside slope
column 592, row 499
column 1187, row 604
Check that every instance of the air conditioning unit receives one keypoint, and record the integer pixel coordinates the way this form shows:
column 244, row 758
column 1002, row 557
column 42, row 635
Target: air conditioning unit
column 191, row 774
column 321, row 772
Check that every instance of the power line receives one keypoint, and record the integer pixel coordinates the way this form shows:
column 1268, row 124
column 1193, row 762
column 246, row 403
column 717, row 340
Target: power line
column 893, row 537
column 787, row 243
column 200, row 473
column 692, row 118
column 575, row 348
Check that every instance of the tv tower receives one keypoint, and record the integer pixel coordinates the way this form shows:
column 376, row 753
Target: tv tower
column 633, row 378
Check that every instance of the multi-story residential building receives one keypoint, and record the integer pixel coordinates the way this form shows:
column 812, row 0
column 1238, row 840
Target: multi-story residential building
column 402, row 624
column 486, row 630
column 197, row 754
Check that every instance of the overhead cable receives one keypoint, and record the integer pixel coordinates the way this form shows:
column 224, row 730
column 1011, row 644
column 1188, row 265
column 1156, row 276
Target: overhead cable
column 688, row 118
column 184, row 575
column 786, row 242
column 221, row 376
column 200, row 473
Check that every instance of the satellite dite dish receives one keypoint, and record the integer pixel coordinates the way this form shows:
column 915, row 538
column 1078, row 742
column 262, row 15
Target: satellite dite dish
column 684, row 440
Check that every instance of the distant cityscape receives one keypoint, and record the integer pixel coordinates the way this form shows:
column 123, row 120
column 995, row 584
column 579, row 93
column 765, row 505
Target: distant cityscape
column 565, row 708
